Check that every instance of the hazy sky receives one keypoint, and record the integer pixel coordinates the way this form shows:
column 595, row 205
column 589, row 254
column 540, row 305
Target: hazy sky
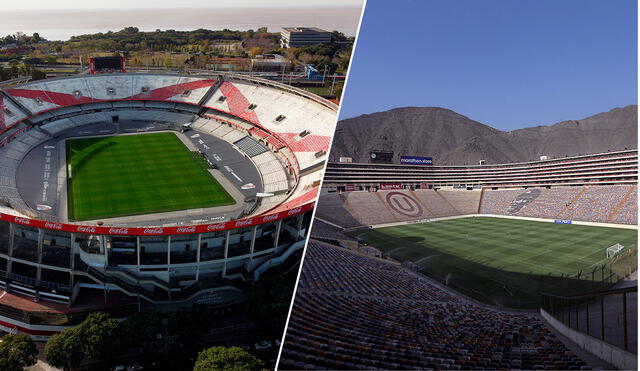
column 128, row 4
column 61, row 23
column 506, row 63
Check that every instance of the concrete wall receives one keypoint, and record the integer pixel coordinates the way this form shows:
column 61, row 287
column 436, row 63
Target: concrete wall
column 609, row 225
column 613, row 355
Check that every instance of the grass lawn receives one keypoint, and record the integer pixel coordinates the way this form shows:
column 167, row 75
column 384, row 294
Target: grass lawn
column 137, row 174
column 479, row 256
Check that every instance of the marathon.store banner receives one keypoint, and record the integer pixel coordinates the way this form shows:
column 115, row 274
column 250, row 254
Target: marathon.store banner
column 157, row 231
column 562, row 221
column 349, row 187
column 390, row 186
column 416, row 160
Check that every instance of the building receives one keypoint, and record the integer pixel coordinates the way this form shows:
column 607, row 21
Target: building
column 229, row 64
column 293, row 37
column 270, row 63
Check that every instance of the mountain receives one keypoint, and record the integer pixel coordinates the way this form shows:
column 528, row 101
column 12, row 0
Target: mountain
column 453, row 139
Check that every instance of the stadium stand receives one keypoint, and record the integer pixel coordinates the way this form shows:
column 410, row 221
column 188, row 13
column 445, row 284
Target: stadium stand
column 249, row 146
column 324, row 230
column 595, row 204
column 601, row 203
column 278, row 113
column 437, row 203
column 350, row 209
column 604, row 204
column 357, row 312
column 334, row 209
column 465, row 202
column 10, row 113
column 627, row 212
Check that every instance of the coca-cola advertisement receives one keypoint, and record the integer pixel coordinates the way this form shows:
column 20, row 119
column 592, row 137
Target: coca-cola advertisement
column 156, row 231
column 390, row 186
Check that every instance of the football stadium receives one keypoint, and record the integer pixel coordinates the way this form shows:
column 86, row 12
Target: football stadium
column 505, row 266
column 123, row 191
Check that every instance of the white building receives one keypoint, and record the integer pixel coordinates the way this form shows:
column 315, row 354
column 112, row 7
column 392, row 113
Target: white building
column 293, row 37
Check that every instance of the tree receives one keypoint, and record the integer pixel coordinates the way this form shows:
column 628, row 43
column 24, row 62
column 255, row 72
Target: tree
column 17, row 352
column 98, row 336
column 65, row 349
column 255, row 50
column 227, row 359
column 140, row 328
column 337, row 36
column 190, row 324
column 271, row 297
column 38, row 75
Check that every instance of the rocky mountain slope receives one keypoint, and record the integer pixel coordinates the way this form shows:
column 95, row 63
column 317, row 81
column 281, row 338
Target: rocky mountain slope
column 453, row 139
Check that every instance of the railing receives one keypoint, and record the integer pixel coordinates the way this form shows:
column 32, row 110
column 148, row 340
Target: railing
column 611, row 316
column 34, row 282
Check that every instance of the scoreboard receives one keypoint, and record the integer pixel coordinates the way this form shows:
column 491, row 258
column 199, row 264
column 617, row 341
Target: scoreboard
column 381, row 157
column 107, row 64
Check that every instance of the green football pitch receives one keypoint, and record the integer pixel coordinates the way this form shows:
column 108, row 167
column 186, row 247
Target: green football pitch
column 505, row 262
column 137, row 174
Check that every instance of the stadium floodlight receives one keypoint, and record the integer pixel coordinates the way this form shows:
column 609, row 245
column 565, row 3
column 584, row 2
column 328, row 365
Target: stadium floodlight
column 613, row 250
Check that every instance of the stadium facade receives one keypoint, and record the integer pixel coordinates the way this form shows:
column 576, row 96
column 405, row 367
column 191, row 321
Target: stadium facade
column 618, row 167
column 278, row 132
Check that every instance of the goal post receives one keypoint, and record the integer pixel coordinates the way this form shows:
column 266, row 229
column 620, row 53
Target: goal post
column 613, row 250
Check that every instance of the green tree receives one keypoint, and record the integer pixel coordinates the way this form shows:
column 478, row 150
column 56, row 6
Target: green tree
column 255, row 50
column 98, row 336
column 65, row 349
column 38, row 74
column 271, row 297
column 17, row 352
column 140, row 328
column 227, row 359
column 190, row 324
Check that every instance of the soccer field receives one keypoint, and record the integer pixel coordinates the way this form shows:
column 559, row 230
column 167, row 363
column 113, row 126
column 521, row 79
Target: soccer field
column 137, row 174
column 501, row 261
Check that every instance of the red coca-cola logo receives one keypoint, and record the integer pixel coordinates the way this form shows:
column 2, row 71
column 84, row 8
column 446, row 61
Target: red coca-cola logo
column 50, row 225
column 294, row 211
column 216, row 227
column 153, row 231
column 271, row 217
column 245, row 222
column 190, row 229
column 118, row 230
column 24, row 221
column 86, row 229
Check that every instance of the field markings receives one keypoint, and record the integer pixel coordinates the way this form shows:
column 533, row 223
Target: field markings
column 482, row 251
column 139, row 174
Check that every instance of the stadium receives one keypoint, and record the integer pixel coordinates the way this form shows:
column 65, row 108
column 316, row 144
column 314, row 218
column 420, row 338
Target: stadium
column 528, row 265
column 121, row 191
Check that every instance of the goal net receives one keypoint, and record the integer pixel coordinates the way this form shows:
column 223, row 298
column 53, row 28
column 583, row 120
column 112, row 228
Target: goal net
column 613, row 250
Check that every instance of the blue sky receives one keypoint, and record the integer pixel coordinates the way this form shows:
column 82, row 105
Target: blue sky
column 506, row 63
